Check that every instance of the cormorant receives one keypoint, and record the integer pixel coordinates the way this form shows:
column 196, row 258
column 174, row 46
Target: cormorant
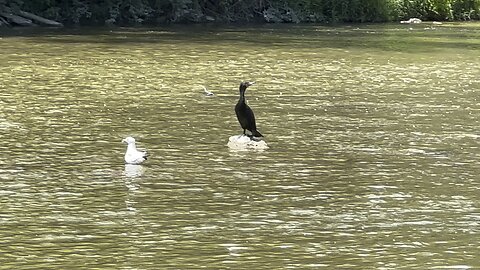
column 133, row 156
column 245, row 114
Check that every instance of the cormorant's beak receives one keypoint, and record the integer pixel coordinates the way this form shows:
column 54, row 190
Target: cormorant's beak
column 251, row 83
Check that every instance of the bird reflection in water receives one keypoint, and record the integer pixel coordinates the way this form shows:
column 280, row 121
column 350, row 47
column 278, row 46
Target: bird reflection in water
column 133, row 171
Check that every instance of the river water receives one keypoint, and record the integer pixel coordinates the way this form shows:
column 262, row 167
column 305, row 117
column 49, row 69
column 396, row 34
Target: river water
column 373, row 161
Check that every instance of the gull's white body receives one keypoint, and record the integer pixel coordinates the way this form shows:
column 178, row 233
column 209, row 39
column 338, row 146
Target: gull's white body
column 132, row 155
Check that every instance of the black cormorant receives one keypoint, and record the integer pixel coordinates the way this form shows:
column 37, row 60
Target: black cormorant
column 245, row 114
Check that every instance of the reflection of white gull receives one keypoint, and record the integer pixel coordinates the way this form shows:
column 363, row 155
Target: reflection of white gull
column 133, row 156
column 133, row 170
column 207, row 93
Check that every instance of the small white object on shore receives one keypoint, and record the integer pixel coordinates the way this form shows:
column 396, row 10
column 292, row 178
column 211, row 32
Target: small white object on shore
column 132, row 155
column 242, row 142
column 412, row 20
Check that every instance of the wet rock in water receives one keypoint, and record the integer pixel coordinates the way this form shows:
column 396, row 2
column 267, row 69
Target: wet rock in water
column 242, row 142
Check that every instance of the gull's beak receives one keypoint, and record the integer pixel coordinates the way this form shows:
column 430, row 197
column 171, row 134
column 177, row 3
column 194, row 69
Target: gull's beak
column 123, row 140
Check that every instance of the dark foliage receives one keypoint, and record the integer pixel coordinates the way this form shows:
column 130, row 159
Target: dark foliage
column 131, row 12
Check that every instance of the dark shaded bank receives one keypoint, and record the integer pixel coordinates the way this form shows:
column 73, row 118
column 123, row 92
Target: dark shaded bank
column 9, row 17
column 152, row 12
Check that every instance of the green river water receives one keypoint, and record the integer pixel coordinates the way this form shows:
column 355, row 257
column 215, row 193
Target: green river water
column 373, row 161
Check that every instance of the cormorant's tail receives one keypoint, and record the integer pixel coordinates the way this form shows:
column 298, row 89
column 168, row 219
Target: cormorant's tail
column 255, row 133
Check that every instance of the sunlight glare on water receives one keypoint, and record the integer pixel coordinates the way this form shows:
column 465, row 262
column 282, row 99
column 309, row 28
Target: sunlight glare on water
column 372, row 160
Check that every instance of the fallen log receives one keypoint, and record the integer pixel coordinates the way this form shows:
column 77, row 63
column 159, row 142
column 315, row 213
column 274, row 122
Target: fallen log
column 17, row 19
column 39, row 19
column 3, row 22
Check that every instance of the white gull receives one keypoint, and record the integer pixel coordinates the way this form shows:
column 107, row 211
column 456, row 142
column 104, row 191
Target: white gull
column 133, row 156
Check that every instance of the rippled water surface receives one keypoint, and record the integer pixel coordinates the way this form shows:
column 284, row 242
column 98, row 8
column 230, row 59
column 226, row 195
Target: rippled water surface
column 373, row 160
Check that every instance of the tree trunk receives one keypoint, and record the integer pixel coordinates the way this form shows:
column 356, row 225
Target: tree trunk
column 39, row 19
column 3, row 22
column 17, row 19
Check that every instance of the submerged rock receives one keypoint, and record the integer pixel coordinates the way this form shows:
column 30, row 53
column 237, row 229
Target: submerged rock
column 242, row 142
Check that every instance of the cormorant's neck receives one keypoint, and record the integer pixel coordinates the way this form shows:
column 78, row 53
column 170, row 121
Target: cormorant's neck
column 242, row 95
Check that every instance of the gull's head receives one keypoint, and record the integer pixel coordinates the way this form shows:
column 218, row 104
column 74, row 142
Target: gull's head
column 128, row 140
